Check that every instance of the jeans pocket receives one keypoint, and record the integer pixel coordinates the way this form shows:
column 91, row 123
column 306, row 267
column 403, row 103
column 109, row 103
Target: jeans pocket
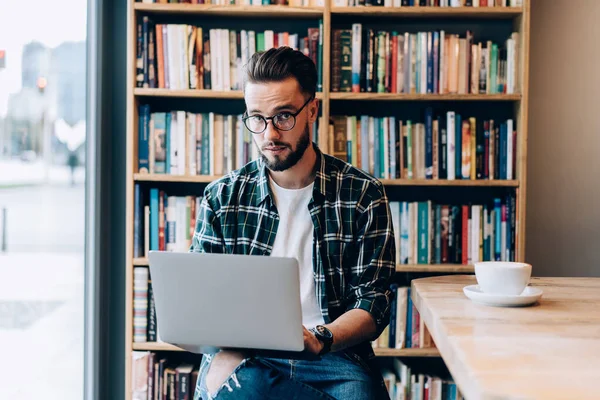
column 356, row 359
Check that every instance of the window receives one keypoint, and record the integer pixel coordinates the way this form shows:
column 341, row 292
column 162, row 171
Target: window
column 42, row 201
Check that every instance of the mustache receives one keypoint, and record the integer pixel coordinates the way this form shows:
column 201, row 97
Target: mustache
column 276, row 144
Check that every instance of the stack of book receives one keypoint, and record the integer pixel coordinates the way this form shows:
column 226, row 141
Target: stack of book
column 156, row 377
column 431, row 233
column 403, row 383
column 445, row 145
column 185, row 143
column 294, row 3
column 433, row 62
column 180, row 56
column 406, row 329
column 163, row 221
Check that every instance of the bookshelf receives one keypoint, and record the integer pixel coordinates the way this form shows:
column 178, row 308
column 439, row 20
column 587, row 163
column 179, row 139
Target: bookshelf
column 332, row 103
column 427, row 12
column 446, row 268
column 422, row 97
column 378, row 352
column 388, row 182
column 198, row 94
column 242, row 11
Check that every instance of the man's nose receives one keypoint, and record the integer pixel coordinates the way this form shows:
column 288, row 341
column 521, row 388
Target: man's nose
column 271, row 133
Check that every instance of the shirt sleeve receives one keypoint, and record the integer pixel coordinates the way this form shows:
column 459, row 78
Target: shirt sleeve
column 208, row 235
column 375, row 260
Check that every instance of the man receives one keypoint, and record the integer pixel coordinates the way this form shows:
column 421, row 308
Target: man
column 335, row 220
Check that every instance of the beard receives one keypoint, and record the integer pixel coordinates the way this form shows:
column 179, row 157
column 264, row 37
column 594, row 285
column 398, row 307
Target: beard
column 278, row 163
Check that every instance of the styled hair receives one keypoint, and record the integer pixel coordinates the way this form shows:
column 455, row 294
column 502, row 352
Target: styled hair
column 278, row 64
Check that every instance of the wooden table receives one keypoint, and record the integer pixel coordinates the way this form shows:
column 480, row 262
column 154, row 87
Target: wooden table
column 550, row 350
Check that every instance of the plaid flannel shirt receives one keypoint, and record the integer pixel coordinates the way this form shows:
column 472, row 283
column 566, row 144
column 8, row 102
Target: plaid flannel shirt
column 353, row 241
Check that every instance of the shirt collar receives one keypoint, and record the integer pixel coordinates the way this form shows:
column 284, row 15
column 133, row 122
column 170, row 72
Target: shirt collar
column 263, row 182
column 323, row 188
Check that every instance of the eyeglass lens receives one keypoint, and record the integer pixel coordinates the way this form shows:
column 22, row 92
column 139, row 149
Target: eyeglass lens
column 258, row 124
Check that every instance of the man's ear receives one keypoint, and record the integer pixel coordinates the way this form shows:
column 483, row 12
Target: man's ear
column 313, row 110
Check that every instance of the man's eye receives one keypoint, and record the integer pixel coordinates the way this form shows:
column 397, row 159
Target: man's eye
column 284, row 116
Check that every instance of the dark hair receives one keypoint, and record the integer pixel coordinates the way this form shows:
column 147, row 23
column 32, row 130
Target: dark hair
column 277, row 64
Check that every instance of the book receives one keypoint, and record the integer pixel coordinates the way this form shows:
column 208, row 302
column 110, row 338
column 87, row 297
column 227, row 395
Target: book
column 445, row 145
column 190, row 57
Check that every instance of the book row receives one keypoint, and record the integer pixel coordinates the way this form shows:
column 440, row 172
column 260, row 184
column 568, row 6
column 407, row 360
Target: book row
column 163, row 222
column 433, row 62
column 353, row 3
column 405, row 383
column 444, row 146
column 428, row 3
column 425, row 232
column 156, row 377
column 186, row 143
column 430, row 233
column 406, row 329
column 293, row 3
column 145, row 328
column 179, row 56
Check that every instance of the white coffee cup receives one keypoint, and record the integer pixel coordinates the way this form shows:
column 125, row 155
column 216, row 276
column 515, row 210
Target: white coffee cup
column 502, row 277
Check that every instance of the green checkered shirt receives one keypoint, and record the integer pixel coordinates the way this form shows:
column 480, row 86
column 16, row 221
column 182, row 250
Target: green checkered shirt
column 353, row 241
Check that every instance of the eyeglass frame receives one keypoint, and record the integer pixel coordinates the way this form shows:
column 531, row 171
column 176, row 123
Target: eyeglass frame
column 266, row 119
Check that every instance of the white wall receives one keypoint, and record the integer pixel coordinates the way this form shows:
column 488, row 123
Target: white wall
column 563, row 187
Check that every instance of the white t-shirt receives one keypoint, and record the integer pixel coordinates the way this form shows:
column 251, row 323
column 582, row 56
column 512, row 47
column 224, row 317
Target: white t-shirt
column 295, row 239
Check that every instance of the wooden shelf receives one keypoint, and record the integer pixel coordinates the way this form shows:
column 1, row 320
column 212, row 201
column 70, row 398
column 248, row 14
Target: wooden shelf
column 388, row 182
column 379, row 352
column 269, row 11
column 431, row 12
column 422, row 97
column 455, row 182
column 174, row 178
column 155, row 346
column 189, row 93
column 278, row 11
column 428, row 352
column 195, row 94
column 141, row 261
column 443, row 268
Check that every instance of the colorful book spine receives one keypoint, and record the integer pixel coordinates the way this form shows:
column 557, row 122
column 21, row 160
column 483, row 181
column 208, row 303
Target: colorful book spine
column 140, row 304
column 180, row 56
column 458, row 234
column 425, row 62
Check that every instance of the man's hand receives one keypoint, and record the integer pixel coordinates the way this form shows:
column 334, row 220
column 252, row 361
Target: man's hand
column 311, row 343
column 351, row 328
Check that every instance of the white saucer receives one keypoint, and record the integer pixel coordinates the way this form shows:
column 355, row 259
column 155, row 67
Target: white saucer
column 529, row 296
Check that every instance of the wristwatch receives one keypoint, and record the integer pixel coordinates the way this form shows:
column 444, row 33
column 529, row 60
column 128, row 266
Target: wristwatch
column 325, row 336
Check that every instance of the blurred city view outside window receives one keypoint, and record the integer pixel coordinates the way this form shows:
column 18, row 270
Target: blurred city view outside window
column 42, row 177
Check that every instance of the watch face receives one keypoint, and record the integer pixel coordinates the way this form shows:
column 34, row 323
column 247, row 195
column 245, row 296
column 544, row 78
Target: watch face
column 324, row 331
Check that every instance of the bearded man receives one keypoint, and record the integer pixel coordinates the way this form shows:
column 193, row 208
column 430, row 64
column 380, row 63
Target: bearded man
column 296, row 201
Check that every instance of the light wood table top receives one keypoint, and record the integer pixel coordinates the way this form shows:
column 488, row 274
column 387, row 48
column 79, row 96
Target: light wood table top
column 550, row 350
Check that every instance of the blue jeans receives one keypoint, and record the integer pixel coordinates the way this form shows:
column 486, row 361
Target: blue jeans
column 336, row 376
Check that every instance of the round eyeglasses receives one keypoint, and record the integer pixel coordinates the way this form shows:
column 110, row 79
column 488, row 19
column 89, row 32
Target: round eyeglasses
column 284, row 121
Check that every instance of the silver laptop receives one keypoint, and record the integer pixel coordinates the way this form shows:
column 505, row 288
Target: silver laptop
column 207, row 302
